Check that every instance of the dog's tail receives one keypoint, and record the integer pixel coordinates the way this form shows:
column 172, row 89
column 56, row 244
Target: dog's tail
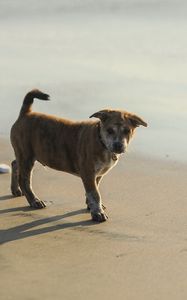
column 28, row 101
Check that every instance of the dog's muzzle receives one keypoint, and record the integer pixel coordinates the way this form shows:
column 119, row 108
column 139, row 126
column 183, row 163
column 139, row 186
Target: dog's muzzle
column 118, row 148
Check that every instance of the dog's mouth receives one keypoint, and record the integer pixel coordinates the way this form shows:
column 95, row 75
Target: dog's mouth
column 119, row 151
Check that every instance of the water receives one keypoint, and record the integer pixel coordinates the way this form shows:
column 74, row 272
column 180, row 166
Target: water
column 90, row 55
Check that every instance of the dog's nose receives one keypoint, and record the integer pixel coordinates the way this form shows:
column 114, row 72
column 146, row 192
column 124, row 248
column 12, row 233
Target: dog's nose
column 118, row 147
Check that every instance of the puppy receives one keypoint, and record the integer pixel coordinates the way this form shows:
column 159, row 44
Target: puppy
column 87, row 149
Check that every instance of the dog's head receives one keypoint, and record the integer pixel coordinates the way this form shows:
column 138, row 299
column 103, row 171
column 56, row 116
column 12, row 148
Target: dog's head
column 117, row 128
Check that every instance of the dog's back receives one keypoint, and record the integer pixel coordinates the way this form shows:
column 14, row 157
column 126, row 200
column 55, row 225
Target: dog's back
column 53, row 141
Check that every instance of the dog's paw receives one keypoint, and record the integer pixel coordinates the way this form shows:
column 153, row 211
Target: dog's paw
column 37, row 203
column 17, row 193
column 99, row 216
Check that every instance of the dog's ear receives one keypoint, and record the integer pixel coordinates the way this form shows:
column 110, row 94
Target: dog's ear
column 102, row 115
column 136, row 121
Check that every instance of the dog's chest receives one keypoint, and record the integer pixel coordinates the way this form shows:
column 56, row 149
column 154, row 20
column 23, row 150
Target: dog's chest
column 103, row 166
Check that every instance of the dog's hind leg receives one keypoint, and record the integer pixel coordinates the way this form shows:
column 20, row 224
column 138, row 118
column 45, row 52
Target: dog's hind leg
column 25, row 174
column 15, row 188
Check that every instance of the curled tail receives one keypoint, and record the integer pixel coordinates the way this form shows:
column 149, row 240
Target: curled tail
column 28, row 101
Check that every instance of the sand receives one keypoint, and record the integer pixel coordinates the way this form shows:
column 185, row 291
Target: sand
column 59, row 253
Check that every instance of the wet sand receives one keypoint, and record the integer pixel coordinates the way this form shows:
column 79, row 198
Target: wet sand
column 59, row 253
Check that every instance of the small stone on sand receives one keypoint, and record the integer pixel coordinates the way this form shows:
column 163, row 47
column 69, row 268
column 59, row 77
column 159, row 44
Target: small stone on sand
column 4, row 169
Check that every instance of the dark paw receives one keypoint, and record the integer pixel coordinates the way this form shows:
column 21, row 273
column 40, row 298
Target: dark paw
column 17, row 193
column 99, row 216
column 37, row 204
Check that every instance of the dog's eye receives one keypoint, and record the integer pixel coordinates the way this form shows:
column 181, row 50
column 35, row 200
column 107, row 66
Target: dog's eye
column 126, row 131
column 110, row 131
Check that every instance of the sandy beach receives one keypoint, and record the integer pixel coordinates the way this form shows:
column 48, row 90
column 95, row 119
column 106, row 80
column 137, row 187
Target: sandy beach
column 90, row 55
column 58, row 253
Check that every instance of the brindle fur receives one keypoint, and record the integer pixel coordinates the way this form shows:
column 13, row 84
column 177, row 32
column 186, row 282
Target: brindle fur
column 84, row 149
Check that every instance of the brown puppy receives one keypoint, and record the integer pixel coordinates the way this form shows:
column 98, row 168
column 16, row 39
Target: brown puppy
column 86, row 149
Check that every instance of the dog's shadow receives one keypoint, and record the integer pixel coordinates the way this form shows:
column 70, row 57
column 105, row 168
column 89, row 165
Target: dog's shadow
column 29, row 229
column 6, row 197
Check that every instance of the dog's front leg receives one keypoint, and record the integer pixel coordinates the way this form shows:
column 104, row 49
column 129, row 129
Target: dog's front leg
column 98, row 180
column 94, row 199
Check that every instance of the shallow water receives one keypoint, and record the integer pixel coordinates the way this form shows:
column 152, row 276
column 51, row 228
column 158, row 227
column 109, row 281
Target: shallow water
column 89, row 55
